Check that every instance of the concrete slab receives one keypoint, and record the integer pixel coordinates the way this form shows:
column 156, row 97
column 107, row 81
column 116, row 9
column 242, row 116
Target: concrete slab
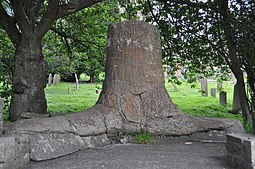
column 168, row 153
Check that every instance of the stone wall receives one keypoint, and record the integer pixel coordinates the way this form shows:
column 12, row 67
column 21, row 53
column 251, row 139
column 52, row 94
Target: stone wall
column 1, row 116
column 241, row 150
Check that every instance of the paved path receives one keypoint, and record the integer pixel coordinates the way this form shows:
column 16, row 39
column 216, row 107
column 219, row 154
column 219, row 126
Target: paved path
column 167, row 154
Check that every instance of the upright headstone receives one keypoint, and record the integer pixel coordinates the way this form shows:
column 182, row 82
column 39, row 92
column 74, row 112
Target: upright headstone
column 236, row 107
column 58, row 78
column 204, row 87
column 1, row 116
column 50, row 79
column 55, row 79
column 69, row 90
column 76, row 82
column 223, row 98
column 219, row 86
column 175, row 87
column 213, row 92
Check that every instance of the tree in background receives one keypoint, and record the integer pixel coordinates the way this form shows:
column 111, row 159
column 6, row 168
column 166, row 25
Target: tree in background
column 79, row 41
column 26, row 22
column 6, row 67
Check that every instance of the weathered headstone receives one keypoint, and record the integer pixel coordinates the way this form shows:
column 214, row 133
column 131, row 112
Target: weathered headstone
column 204, row 87
column 76, row 82
column 219, row 86
column 236, row 107
column 175, row 87
column 213, row 92
column 1, row 115
column 58, row 78
column 50, row 79
column 223, row 98
column 55, row 79
column 69, row 90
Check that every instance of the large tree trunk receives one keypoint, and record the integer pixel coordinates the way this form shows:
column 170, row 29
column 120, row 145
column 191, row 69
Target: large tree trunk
column 134, row 96
column 29, row 80
column 234, row 62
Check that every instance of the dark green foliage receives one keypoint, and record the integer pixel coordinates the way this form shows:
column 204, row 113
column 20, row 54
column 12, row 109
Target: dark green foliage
column 76, row 43
column 6, row 68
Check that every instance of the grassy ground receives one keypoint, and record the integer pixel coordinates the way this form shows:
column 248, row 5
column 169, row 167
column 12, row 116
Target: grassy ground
column 60, row 102
column 187, row 99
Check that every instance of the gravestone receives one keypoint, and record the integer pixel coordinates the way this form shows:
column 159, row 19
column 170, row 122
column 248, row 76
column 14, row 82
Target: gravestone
column 175, row 87
column 204, row 87
column 223, row 98
column 213, row 92
column 69, row 90
column 219, row 86
column 1, row 116
column 76, row 82
column 236, row 107
column 50, row 79
column 58, row 78
column 55, row 79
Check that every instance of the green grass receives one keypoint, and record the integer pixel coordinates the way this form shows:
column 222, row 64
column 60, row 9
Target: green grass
column 144, row 138
column 188, row 99
column 60, row 102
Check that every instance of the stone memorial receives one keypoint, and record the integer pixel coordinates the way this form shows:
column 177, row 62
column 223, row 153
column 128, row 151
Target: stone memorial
column 69, row 90
column 55, row 79
column 223, row 98
column 219, row 86
column 50, row 79
column 76, row 82
column 204, row 87
column 236, row 107
column 58, row 78
column 213, row 92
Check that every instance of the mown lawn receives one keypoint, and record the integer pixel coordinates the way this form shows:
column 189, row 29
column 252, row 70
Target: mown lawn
column 188, row 99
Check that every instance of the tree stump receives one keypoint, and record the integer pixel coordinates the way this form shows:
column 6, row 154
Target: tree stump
column 134, row 87
column 134, row 98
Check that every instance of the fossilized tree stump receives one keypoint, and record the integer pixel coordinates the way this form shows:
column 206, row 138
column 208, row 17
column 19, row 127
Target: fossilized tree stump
column 133, row 99
column 134, row 83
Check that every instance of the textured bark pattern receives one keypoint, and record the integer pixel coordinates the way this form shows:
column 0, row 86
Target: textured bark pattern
column 28, row 80
column 134, row 81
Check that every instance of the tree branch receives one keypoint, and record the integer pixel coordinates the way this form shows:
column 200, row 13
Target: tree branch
column 72, row 7
column 81, row 42
column 48, row 18
column 8, row 24
column 21, row 17
column 187, row 2
column 56, row 11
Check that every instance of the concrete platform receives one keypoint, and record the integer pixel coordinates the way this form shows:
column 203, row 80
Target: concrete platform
column 169, row 153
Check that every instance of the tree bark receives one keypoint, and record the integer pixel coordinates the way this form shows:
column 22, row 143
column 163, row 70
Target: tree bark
column 29, row 80
column 234, row 62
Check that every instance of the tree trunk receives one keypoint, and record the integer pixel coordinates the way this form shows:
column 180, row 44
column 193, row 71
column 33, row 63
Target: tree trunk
column 134, row 97
column 234, row 62
column 29, row 80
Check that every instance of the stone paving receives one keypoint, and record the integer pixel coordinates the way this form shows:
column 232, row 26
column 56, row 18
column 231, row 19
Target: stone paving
column 169, row 153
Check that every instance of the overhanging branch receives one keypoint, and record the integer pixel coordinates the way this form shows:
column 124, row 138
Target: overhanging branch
column 8, row 24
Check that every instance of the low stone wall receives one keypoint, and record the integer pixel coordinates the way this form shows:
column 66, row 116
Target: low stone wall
column 17, row 151
column 1, row 115
column 241, row 150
